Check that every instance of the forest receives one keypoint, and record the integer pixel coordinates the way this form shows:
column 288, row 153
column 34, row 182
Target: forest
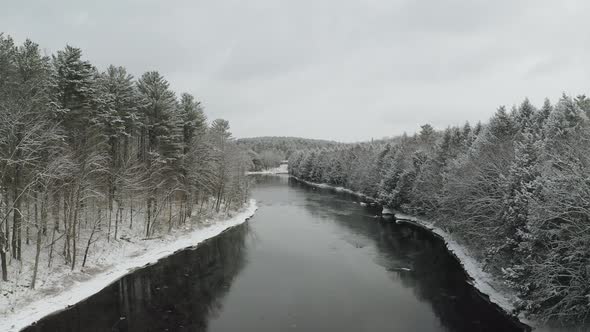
column 515, row 191
column 268, row 152
column 86, row 152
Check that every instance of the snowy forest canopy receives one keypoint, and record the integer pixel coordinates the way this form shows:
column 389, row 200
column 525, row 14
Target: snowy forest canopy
column 83, row 150
column 515, row 190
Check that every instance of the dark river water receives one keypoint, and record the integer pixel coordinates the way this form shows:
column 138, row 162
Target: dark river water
column 309, row 260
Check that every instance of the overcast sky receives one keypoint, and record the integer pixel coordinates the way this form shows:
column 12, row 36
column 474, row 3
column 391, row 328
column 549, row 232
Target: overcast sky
column 337, row 69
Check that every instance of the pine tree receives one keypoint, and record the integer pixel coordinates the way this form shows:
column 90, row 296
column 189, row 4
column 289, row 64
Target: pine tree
column 542, row 115
column 563, row 121
column 584, row 104
column 195, row 167
column 157, row 108
column 220, row 136
column 525, row 115
column 116, row 102
column 427, row 135
column 74, row 91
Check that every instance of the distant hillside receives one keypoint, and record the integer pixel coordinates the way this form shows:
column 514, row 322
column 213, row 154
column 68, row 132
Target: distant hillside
column 286, row 145
column 267, row 152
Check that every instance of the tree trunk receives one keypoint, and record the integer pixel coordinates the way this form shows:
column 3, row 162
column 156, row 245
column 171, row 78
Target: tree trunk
column 39, row 236
column 36, row 212
column 155, row 214
column 185, row 206
column 201, row 206
column 27, row 222
column 74, row 223
column 131, row 212
column 66, row 249
column 110, row 219
column 17, row 217
column 181, row 210
column 169, row 213
column 55, row 227
column 118, row 215
column 219, row 197
column 6, row 223
column 3, row 242
column 95, row 226
column 149, row 216
column 56, row 210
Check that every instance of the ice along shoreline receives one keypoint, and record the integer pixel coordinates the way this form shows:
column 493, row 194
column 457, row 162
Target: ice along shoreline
column 482, row 281
column 36, row 310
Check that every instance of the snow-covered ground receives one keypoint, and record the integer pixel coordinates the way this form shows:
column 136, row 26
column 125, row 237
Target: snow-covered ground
column 481, row 280
column 282, row 169
column 21, row 306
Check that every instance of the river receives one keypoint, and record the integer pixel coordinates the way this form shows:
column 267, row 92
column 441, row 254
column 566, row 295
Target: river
column 309, row 260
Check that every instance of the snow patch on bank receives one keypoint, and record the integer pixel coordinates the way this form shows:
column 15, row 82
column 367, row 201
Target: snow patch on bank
column 142, row 253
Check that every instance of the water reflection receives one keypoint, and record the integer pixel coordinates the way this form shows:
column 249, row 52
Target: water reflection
column 413, row 257
column 180, row 293
column 309, row 260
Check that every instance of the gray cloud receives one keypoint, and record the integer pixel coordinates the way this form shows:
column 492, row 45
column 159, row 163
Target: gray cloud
column 335, row 69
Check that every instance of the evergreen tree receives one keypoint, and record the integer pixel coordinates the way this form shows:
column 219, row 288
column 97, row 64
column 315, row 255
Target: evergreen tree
column 74, row 91
column 156, row 150
column 117, row 115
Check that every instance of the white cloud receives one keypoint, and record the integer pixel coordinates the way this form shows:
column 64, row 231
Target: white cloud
column 338, row 69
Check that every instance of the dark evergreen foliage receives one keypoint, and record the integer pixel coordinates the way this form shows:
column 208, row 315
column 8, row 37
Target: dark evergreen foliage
column 515, row 191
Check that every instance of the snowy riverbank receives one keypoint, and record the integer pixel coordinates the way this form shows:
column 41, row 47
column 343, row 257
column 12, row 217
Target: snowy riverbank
column 484, row 282
column 21, row 308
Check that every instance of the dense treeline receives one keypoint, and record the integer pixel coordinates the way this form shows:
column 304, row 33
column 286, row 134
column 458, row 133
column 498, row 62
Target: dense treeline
column 83, row 150
column 515, row 190
column 268, row 152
